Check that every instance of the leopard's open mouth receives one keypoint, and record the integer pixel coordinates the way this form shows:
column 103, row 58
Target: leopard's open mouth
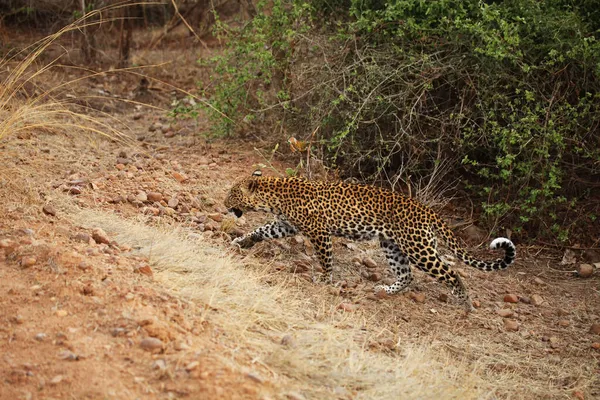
column 236, row 211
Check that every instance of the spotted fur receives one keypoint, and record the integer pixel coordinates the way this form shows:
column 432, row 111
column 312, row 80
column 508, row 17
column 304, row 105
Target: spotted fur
column 406, row 229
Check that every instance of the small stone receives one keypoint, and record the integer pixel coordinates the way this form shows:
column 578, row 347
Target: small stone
column 120, row 167
column 82, row 237
column 417, row 297
column 173, row 202
column 57, row 379
column 40, row 337
column 536, row 299
column 525, row 299
column 192, row 366
column 348, row 307
column 181, row 345
column 381, row 294
column 141, row 196
column 539, row 281
column 68, row 355
column 255, row 377
column 84, row 266
column 369, row 262
column 505, row 312
column 28, row 261
column 49, row 209
column 74, row 190
column 288, row 341
column 100, row 236
column 155, row 196
column 61, row 313
column 179, row 177
column 18, row 319
column 7, row 244
column 476, row 303
column 217, row 217
column 374, row 277
column 511, row 325
column 159, row 364
column 596, row 346
column 443, row 297
column 123, row 160
column 564, row 323
column 585, row 270
column 144, row 270
column 578, row 394
column 151, row 344
column 511, row 298
column 595, row 328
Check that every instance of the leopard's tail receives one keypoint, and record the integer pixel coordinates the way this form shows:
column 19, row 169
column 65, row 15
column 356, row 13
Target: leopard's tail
column 510, row 251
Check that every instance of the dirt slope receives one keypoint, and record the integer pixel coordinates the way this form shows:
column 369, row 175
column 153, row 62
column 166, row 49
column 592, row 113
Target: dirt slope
column 162, row 307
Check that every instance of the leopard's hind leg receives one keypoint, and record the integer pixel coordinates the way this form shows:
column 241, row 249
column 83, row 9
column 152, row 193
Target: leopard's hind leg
column 399, row 265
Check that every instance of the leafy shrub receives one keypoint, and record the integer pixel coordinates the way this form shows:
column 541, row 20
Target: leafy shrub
column 506, row 91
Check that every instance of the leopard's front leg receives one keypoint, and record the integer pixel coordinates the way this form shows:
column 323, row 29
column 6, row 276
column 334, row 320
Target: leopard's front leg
column 323, row 245
column 274, row 230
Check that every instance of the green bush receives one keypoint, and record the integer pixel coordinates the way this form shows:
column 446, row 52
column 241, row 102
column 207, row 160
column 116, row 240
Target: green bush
column 506, row 91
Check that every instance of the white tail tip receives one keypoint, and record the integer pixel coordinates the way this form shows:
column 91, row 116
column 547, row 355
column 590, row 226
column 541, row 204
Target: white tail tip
column 498, row 242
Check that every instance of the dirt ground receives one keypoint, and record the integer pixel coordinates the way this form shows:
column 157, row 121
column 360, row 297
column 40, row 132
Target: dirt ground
column 117, row 281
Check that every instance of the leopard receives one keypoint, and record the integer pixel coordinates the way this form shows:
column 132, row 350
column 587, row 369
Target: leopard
column 407, row 230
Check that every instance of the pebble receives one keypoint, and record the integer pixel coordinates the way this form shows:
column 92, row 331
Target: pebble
column 348, row 307
column 179, row 177
column 40, row 337
column 82, row 237
column 49, row 209
column 511, row 298
column 173, row 202
column 564, row 323
column 57, row 379
column 417, row 297
column 144, row 270
column 369, row 262
column 539, row 281
column 84, row 266
column 596, row 346
column 505, row 312
column 155, row 196
column 100, row 236
column 288, row 341
column 217, row 217
column 595, row 328
column 511, row 325
column 443, row 297
column 536, row 300
column 68, row 355
column 585, row 270
column 151, row 344
column 7, row 244
column 28, row 261
column 374, row 277
column 476, row 303
column 61, row 313
column 192, row 366
column 159, row 364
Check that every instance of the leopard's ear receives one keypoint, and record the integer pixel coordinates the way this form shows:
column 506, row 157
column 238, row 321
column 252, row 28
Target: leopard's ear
column 258, row 172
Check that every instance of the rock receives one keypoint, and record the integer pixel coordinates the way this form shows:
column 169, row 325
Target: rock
column 49, row 209
column 155, row 197
column 443, row 297
column 84, row 266
column 596, row 346
column 288, row 341
column 511, row 325
column 68, row 355
column 28, row 261
column 585, row 270
column 18, row 319
column 173, row 202
column 7, row 244
column 564, row 323
column 151, row 344
column 595, row 328
column 159, row 364
column 40, row 337
column 348, row 307
column 374, row 277
column 539, row 281
column 217, row 217
column 100, row 236
column 141, row 196
column 511, row 298
column 144, row 269
column 61, row 313
column 505, row 312
column 82, row 237
column 525, row 299
column 57, row 379
column 179, row 177
column 417, row 297
column 123, row 160
column 74, row 190
column 476, row 303
column 369, row 262
column 192, row 366
column 568, row 258
column 578, row 394
column 536, row 300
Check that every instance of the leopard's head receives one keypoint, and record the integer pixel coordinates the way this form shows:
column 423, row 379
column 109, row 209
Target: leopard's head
column 242, row 197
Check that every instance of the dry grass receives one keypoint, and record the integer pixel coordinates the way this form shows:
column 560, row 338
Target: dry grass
column 329, row 354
